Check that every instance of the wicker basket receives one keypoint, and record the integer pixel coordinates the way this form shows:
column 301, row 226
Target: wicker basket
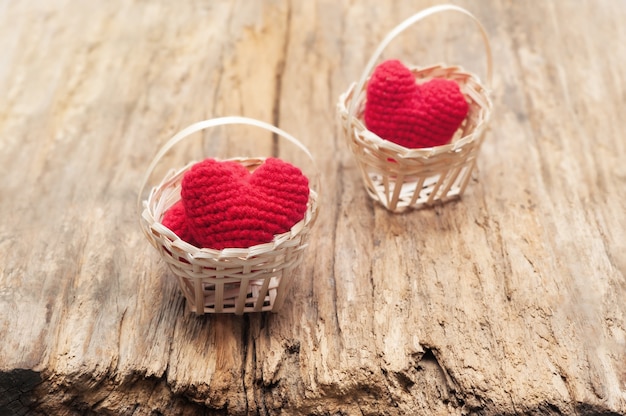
column 401, row 178
column 232, row 280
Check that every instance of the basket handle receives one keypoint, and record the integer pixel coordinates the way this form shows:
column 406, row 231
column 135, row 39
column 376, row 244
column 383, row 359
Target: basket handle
column 215, row 122
column 401, row 28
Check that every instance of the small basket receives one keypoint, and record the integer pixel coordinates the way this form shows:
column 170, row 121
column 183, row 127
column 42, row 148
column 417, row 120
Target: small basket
column 401, row 178
column 232, row 280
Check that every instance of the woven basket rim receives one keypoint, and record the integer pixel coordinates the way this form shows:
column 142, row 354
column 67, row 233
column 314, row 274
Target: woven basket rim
column 374, row 140
column 149, row 220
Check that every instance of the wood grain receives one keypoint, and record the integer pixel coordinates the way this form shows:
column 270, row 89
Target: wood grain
column 510, row 301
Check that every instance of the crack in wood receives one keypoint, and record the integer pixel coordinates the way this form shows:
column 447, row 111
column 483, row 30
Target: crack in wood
column 16, row 391
column 278, row 81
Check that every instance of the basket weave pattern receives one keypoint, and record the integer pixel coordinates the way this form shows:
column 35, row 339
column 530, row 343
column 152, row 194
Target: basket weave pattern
column 401, row 178
column 232, row 280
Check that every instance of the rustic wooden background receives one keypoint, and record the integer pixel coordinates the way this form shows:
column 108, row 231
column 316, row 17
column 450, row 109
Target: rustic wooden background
column 511, row 301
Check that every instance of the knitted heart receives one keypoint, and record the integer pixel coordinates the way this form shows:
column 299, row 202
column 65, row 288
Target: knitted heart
column 226, row 206
column 410, row 114
column 176, row 220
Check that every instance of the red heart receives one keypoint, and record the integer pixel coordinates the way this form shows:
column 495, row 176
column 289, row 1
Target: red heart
column 176, row 220
column 226, row 206
column 410, row 114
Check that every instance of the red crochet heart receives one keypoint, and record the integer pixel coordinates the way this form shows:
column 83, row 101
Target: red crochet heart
column 226, row 206
column 410, row 114
column 176, row 220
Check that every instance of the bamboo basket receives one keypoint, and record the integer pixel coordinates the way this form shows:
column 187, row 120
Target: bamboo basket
column 232, row 280
column 401, row 178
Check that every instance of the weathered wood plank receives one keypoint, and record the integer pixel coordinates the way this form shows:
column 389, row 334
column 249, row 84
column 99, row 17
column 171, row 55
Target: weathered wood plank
column 510, row 301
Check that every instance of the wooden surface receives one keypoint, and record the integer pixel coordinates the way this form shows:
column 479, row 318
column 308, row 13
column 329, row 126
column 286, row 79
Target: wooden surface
column 510, row 301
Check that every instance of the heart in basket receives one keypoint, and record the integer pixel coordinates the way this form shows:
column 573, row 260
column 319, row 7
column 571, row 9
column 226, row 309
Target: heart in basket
column 224, row 205
column 410, row 114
